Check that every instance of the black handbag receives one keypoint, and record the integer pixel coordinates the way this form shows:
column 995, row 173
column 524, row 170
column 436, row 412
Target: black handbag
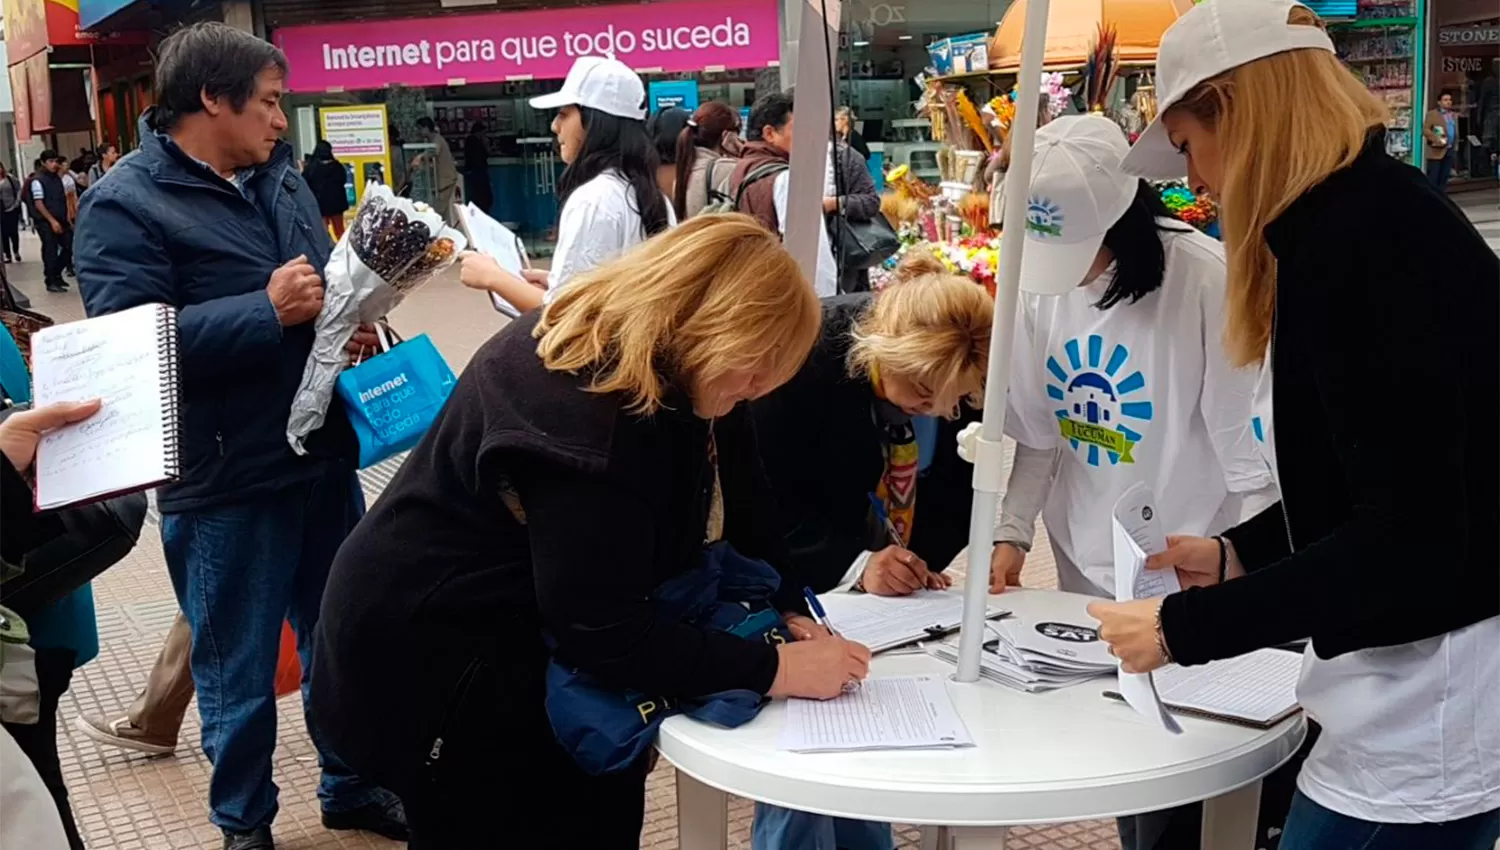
column 864, row 244
column 94, row 538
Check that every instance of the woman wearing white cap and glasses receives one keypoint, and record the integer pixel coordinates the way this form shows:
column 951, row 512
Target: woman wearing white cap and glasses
column 1359, row 337
column 609, row 195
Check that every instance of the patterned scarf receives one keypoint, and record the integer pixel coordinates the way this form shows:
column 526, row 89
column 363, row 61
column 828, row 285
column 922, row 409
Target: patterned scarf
column 897, row 489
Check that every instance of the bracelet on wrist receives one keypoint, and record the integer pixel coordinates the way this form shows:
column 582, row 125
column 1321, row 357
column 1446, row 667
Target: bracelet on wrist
column 1161, row 639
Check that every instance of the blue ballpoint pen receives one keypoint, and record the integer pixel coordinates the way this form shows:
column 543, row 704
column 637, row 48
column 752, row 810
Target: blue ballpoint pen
column 817, row 609
column 885, row 519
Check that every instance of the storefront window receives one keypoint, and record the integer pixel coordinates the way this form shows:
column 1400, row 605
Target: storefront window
column 1467, row 66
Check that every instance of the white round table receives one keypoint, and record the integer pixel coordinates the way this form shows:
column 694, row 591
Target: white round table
column 1066, row 755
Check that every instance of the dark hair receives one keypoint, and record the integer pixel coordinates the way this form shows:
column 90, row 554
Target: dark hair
column 773, row 110
column 477, row 127
column 322, row 150
column 1140, row 258
column 105, row 148
column 427, row 123
column 665, row 127
column 619, row 144
column 48, row 155
column 213, row 60
column 706, row 130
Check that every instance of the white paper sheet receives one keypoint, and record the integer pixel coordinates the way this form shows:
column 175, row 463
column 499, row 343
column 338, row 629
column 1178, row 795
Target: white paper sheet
column 883, row 622
column 488, row 236
column 1135, row 510
column 1137, row 531
column 117, row 359
column 892, row 713
column 1259, row 686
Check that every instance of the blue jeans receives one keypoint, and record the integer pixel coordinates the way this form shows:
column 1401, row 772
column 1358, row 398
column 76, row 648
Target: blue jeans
column 238, row 571
column 775, row 828
column 1312, row 827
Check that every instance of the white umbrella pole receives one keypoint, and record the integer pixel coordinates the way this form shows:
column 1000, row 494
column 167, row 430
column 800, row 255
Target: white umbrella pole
column 816, row 42
column 988, row 458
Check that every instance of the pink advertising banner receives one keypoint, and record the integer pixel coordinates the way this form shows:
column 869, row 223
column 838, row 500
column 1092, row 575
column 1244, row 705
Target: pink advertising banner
column 666, row 37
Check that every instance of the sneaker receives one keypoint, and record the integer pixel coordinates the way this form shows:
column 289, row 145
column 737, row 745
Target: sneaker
column 121, row 733
column 255, row 839
column 384, row 818
column 56, row 287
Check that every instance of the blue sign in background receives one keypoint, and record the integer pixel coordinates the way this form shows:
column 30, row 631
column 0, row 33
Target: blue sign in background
column 91, row 12
column 665, row 94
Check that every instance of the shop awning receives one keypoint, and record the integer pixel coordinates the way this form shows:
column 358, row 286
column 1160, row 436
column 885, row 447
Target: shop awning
column 1073, row 24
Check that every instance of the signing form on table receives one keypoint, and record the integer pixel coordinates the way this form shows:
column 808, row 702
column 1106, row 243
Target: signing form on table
column 893, row 713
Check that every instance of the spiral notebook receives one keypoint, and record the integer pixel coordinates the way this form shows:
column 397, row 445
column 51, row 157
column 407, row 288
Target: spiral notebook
column 129, row 361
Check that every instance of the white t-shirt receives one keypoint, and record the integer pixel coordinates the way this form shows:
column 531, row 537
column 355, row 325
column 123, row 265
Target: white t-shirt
column 827, row 282
column 598, row 223
column 1137, row 393
column 1411, row 733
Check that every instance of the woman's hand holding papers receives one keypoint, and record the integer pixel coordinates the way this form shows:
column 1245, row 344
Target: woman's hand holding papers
column 1196, row 560
column 1132, row 631
column 818, row 669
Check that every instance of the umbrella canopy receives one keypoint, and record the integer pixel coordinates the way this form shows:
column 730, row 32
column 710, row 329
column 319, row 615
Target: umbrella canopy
column 1073, row 24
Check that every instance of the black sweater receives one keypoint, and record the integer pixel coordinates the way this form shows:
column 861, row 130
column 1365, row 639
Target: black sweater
column 614, row 504
column 824, row 455
column 1385, row 356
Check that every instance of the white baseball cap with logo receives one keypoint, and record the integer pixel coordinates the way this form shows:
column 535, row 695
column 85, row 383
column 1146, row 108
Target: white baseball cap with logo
column 1212, row 38
column 596, row 82
column 1077, row 193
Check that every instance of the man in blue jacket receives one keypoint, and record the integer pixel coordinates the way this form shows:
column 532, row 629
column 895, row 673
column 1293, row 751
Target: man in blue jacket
column 212, row 217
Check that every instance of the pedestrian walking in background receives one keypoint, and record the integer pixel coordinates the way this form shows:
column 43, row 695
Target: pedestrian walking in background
column 1440, row 130
column 707, row 150
column 609, row 197
column 53, row 217
column 108, row 155
column 326, row 176
column 760, row 183
column 477, row 169
column 855, row 199
column 665, row 128
column 843, row 123
column 11, row 201
column 250, row 529
column 447, row 171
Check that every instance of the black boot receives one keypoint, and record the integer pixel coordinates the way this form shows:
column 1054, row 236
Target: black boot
column 255, row 839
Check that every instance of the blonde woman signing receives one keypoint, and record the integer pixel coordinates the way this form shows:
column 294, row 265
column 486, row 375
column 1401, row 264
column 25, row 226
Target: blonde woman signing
column 841, row 430
column 1361, row 346
column 590, row 452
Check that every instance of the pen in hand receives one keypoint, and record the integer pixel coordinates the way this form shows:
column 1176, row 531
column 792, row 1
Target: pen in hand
column 885, row 520
column 820, row 615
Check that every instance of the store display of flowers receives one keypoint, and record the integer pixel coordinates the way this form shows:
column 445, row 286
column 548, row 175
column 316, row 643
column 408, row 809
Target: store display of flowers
column 1200, row 212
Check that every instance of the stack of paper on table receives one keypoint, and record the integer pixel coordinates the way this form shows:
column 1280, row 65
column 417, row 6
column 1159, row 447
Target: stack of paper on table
column 1055, row 644
column 891, row 713
column 886, row 622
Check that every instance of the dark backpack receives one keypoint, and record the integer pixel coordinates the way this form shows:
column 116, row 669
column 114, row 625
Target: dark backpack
column 759, row 172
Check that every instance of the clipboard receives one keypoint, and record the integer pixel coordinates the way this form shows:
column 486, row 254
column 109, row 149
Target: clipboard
column 1233, row 720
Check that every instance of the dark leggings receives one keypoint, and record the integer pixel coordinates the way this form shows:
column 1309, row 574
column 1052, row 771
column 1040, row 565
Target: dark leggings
column 54, row 671
column 10, row 233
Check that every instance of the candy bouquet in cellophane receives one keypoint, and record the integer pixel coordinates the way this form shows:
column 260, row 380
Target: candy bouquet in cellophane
column 393, row 246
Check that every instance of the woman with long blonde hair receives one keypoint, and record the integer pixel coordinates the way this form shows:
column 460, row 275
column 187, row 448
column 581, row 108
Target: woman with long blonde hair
column 843, row 432
column 590, row 453
column 1376, row 410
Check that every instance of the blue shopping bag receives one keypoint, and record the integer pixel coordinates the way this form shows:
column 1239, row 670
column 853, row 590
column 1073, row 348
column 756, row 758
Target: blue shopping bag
column 394, row 397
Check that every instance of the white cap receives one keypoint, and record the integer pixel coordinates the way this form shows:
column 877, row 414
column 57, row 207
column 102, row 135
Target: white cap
column 607, row 85
column 1213, row 37
column 1077, row 193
